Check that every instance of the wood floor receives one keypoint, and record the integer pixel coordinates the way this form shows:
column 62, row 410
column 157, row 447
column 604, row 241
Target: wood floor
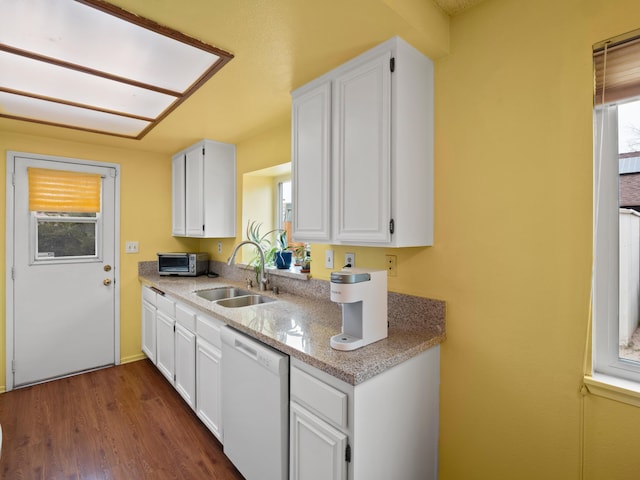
column 121, row 423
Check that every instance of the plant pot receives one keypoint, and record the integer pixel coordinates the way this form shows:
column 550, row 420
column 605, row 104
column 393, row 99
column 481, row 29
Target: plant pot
column 283, row 260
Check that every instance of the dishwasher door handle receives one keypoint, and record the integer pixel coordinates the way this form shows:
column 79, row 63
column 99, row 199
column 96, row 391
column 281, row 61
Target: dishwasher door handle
column 246, row 349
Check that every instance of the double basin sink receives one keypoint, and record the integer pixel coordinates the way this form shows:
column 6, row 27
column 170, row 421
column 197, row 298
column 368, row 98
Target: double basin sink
column 232, row 297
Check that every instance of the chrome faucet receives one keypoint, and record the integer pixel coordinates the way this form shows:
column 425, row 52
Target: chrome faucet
column 264, row 280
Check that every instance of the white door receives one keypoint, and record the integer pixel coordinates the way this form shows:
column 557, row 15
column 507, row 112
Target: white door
column 61, row 304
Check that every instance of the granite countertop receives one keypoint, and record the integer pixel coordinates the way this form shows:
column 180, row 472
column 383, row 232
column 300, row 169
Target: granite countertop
column 301, row 326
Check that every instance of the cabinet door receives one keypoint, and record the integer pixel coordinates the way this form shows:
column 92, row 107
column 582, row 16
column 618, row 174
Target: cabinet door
column 219, row 196
column 178, row 192
column 311, row 162
column 361, row 152
column 165, row 347
column 208, row 393
column 317, row 450
column 149, row 330
column 185, row 344
column 194, row 194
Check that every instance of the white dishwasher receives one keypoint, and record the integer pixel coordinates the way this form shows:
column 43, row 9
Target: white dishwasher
column 255, row 406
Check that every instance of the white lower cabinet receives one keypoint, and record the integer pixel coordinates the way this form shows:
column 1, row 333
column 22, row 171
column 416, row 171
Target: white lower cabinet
column 385, row 427
column 186, row 365
column 185, row 354
column 186, row 348
column 316, row 449
column 208, row 373
column 318, row 425
column 149, row 323
column 165, row 345
column 165, row 342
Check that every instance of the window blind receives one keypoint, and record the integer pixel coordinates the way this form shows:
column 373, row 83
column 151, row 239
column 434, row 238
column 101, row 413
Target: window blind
column 63, row 191
column 621, row 80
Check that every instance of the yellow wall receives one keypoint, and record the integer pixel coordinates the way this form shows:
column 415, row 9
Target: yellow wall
column 512, row 252
column 513, row 234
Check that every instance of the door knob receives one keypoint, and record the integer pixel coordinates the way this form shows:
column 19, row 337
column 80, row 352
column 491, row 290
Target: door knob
column 107, row 282
column 107, row 268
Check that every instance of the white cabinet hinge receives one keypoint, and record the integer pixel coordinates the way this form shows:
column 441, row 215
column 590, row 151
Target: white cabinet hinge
column 13, row 273
column 13, row 366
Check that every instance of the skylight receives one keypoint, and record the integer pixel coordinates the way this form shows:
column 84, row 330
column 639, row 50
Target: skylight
column 89, row 65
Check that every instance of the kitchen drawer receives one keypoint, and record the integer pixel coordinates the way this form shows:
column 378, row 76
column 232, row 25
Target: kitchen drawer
column 166, row 305
column 149, row 295
column 208, row 329
column 322, row 399
column 186, row 317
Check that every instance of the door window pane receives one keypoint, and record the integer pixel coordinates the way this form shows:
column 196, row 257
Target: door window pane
column 58, row 235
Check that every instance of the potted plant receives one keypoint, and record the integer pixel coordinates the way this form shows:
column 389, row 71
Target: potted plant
column 305, row 266
column 283, row 254
column 267, row 247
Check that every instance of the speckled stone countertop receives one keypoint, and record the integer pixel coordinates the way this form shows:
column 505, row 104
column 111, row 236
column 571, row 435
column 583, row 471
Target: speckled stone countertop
column 301, row 325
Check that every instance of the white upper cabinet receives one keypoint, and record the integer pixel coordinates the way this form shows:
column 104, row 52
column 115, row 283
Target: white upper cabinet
column 178, row 185
column 204, row 191
column 366, row 156
column 311, row 149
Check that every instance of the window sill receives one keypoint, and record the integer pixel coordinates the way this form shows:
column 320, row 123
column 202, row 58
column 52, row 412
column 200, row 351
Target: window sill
column 613, row 388
column 293, row 272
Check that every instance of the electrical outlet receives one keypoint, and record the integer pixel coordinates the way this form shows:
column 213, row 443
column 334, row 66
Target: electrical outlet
column 350, row 259
column 131, row 247
column 392, row 265
column 219, row 247
column 328, row 259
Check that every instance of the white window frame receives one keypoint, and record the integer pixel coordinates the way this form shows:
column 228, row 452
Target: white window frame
column 37, row 218
column 278, row 194
column 610, row 375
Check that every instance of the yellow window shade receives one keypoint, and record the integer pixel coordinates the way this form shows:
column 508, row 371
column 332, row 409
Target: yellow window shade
column 63, row 191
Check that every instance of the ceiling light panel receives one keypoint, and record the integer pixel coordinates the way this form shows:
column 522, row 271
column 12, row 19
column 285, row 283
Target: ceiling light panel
column 22, row 74
column 43, row 111
column 89, row 54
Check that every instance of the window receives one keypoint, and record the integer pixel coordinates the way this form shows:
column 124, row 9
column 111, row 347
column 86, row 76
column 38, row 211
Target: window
column 285, row 207
column 60, row 234
column 616, row 272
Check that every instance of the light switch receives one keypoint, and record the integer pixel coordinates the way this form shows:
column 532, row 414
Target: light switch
column 131, row 247
column 328, row 259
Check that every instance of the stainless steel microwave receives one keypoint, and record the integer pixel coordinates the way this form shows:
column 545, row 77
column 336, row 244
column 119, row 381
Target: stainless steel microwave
column 183, row 264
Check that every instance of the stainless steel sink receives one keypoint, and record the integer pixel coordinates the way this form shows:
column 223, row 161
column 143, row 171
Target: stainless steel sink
column 244, row 301
column 219, row 293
